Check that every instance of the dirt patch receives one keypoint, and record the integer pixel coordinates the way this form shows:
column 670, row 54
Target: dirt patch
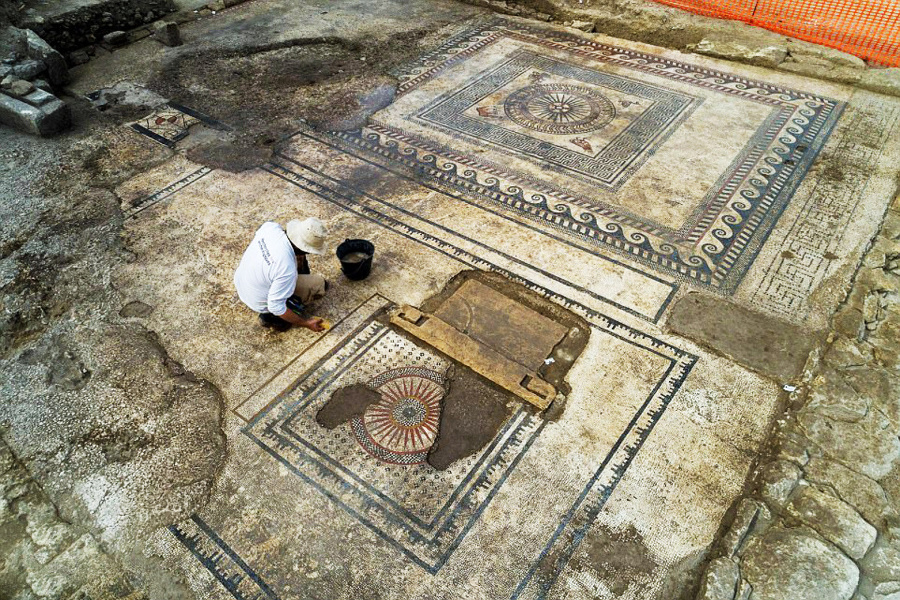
column 619, row 557
column 265, row 92
column 763, row 343
column 472, row 412
column 346, row 403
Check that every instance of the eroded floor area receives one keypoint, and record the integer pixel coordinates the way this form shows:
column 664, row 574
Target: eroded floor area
column 630, row 195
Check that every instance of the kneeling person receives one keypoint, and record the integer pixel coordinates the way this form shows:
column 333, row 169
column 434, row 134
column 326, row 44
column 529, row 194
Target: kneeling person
column 274, row 278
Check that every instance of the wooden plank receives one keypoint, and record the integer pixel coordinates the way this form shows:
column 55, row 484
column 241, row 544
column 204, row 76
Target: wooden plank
column 511, row 376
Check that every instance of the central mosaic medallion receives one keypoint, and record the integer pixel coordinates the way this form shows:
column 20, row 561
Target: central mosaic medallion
column 403, row 425
column 559, row 109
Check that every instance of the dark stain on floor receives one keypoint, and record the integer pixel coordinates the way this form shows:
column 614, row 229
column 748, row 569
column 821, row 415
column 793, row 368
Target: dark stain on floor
column 766, row 344
column 472, row 412
column 347, row 402
column 620, row 558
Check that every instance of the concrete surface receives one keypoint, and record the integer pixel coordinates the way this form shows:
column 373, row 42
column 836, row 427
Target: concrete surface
column 160, row 418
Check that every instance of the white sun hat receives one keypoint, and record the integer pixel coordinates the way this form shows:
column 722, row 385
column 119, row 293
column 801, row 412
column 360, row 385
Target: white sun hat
column 308, row 235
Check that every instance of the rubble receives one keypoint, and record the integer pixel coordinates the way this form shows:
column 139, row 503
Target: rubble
column 22, row 106
column 68, row 26
column 116, row 38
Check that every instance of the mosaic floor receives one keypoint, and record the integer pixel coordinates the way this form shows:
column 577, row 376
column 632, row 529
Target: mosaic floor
column 611, row 180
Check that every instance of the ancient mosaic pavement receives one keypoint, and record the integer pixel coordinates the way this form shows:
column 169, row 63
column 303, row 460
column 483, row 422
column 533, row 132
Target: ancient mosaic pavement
column 607, row 180
column 589, row 139
column 430, row 518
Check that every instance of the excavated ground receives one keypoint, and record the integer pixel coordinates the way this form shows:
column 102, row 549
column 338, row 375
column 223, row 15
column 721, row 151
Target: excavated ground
column 169, row 444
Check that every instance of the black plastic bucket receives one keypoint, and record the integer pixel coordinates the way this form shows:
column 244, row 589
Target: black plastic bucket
column 356, row 258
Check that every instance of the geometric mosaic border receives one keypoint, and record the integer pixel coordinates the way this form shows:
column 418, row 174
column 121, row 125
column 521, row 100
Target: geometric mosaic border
column 376, row 209
column 720, row 242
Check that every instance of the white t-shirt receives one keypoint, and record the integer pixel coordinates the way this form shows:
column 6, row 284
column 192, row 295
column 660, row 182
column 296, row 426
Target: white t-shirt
column 267, row 275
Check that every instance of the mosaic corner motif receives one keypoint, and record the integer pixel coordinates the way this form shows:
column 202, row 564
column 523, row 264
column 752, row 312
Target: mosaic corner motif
column 719, row 243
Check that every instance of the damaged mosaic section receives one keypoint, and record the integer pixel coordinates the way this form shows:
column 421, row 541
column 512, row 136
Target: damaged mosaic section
column 501, row 350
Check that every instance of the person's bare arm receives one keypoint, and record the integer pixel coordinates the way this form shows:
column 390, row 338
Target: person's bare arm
column 313, row 323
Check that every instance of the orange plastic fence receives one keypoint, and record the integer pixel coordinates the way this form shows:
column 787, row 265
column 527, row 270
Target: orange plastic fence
column 869, row 29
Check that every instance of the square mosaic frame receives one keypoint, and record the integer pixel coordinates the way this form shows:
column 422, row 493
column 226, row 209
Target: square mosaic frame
column 426, row 535
column 718, row 244
column 611, row 165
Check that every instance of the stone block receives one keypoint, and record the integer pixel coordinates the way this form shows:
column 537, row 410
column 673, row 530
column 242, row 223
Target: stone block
column 29, row 69
column 755, row 47
column 43, row 84
column 882, row 564
column 587, row 26
column 751, row 517
column 38, row 49
column 216, row 5
column 116, row 38
column 39, row 98
column 79, row 57
column 777, row 480
column 887, row 591
column 834, row 519
column 720, row 580
column 830, row 395
column 794, row 564
column 20, row 88
column 844, row 352
column 861, row 492
column 822, row 56
column 868, row 445
column 46, row 120
column 167, row 33
column 885, row 81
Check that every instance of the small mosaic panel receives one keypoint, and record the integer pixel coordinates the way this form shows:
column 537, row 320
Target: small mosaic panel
column 166, row 126
column 373, row 466
column 171, row 123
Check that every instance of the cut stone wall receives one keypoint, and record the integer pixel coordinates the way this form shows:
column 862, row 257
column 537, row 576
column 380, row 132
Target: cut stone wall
column 823, row 519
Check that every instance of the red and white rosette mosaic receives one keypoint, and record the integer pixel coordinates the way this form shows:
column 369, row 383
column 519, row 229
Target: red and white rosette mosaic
column 403, row 425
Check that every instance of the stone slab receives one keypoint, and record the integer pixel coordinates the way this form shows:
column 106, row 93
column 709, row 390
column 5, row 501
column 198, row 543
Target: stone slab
column 48, row 119
column 816, row 571
column 506, row 326
column 521, row 381
column 834, row 519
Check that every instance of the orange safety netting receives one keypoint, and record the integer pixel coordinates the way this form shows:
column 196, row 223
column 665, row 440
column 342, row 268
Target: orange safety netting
column 869, row 29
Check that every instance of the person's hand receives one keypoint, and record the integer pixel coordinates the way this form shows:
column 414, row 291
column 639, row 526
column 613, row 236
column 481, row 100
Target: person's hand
column 316, row 324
